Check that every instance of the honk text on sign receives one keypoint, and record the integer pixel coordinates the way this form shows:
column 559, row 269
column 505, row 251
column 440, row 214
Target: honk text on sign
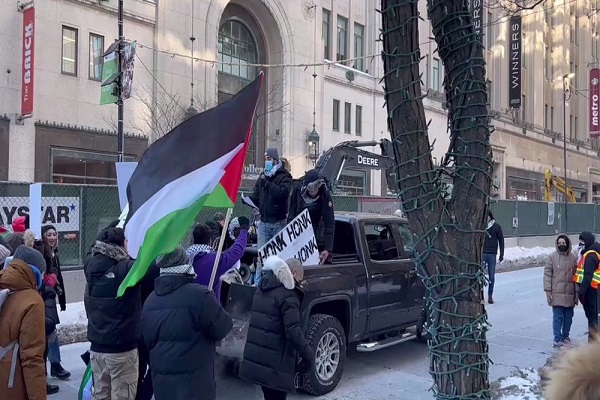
column 296, row 240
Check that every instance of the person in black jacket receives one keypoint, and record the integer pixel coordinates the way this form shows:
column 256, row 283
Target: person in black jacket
column 49, row 248
column 181, row 322
column 312, row 194
column 145, row 390
column 271, row 195
column 275, row 334
column 494, row 239
column 113, row 323
column 588, row 293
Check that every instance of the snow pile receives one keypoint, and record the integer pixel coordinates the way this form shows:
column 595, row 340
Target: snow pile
column 523, row 257
column 73, row 324
column 524, row 384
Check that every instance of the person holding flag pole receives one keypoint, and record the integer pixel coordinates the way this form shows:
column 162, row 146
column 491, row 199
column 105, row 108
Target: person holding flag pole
column 163, row 203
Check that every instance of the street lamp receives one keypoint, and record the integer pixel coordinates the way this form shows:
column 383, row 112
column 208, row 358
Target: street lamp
column 565, row 93
column 313, row 146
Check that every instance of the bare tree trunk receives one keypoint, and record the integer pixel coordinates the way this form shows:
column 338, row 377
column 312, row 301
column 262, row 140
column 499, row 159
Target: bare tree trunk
column 449, row 234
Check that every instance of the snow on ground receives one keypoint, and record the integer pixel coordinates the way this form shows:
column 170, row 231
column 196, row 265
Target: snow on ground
column 73, row 324
column 522, row 385
column 523, row 257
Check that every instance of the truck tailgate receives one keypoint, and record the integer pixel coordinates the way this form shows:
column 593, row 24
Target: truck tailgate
column 238, row 303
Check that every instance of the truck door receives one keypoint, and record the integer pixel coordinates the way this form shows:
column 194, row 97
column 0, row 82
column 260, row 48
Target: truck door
column 387, row 276
column 416, row 289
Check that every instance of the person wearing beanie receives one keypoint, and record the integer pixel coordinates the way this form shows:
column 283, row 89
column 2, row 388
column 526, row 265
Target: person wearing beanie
column 494, row 240
column 181, row 323
column 22, row 322
column 202, row 255
column 271, row 195
column 587, row 278
column 313, row 195
column 113, row 322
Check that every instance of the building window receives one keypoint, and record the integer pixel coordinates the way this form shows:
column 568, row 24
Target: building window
column 523, row 108
column 575, row 128
column 237, row 46
column 336, row 115
column 342, row 39
column 576, row 29
column 490, row 36
column 359, row 43
column 490, row 94
column 547, row 62
column 352, row 183
column 96, row 51
column 552, row 119
column 435, row 79
column 571, row 126
column 546, row 124
column 69, row 51
column 358, row 121
column 84, row 167
column 551, row 64
column 347, row 117
column 325, row 34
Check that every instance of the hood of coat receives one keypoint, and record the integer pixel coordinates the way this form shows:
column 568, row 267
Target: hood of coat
column 110, row 250
column 569, row 244
column 280, row 275
column 18, row 276
column 169, row 283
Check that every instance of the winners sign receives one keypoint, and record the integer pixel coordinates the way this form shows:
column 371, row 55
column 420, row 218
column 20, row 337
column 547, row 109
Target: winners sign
column 296, row 240
column 62, row 212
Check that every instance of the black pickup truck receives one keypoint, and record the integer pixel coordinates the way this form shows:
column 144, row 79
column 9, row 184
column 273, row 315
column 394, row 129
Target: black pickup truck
column 369, row 297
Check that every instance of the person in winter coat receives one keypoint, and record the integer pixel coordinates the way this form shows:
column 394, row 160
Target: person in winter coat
column 48, row 293
column 275, row 333
column 145, row 390
column 270, row 195
column 4, row 254
column 113, row 322
column 494, row 239
column 588, row 271
column 49, row 248
column 202, row 256
column 575, row 376
column 22, row 325
column 314, row 196
column 181, row 322
column 560, row 289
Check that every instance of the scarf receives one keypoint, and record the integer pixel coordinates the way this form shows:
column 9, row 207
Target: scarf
column 110, row 250
column 196, row 249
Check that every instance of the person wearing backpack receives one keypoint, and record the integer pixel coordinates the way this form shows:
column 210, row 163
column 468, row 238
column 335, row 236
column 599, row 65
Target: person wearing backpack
column 22, row 327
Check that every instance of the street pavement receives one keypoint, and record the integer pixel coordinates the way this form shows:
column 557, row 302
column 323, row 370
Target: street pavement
column 520, row 337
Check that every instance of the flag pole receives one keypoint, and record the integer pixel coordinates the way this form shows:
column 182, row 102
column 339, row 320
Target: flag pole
column 220, row 248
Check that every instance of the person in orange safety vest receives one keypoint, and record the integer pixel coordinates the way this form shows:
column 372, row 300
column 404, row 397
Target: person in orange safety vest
column 587, row 276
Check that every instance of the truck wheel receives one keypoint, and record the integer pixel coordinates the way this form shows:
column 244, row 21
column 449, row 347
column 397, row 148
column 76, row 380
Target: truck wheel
column 326, row 337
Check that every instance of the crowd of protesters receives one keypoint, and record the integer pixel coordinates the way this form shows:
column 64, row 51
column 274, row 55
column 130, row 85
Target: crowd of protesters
column 158, row 340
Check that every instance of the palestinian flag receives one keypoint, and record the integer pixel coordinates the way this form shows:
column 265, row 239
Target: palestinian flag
column 198, row 164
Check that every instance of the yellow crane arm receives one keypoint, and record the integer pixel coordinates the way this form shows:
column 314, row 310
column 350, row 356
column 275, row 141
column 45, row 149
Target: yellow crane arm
column 553, row 181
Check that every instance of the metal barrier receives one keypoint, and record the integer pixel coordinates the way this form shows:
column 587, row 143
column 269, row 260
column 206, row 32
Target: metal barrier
column 80, row 212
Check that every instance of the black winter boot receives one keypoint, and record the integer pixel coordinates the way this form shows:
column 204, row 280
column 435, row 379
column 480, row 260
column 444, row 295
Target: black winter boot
column 57, row 371
column 51, row 389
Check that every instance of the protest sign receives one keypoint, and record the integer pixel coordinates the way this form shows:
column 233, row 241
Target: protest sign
column 62, row 212
column 296, row 240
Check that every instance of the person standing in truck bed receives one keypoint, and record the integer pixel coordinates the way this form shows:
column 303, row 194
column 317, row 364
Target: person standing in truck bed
column 314, row 196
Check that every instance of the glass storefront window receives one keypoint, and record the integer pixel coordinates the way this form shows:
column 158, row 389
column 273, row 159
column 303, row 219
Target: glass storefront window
column 523, row 189
column 83, row 167
column 352, row 183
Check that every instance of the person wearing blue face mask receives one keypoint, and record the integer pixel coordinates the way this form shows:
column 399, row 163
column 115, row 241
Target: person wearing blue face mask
column 270, row 195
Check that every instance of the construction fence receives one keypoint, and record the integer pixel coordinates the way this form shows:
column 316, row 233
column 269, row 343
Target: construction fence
column 80, row 212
